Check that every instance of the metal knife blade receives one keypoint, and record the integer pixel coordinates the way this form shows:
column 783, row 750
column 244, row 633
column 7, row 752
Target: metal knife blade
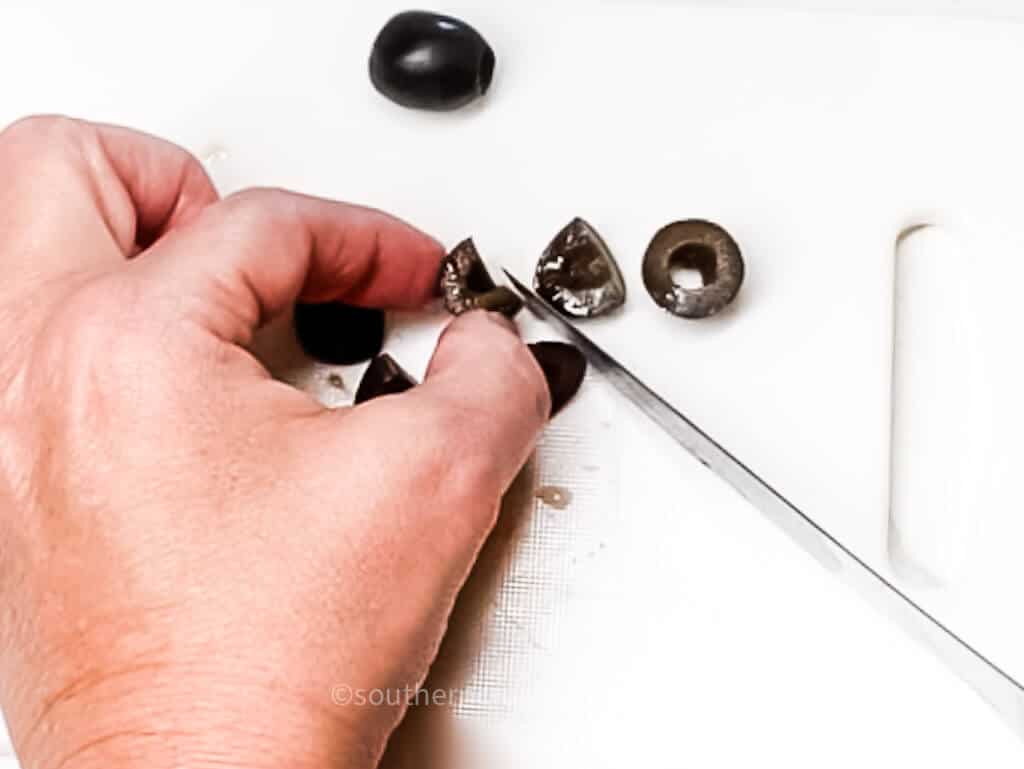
column 1001, row 690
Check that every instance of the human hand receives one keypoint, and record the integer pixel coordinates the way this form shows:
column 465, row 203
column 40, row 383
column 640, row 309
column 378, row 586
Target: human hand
column 192, row 554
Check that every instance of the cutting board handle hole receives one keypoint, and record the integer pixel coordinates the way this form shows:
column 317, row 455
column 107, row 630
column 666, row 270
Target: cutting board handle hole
column 929, row 406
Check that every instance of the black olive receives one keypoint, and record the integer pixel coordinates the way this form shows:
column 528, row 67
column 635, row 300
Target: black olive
column 466, row 284
column 564, row 367
column 339, row 333
column 429, row 61
column 383, row 377
column 577, row 274
column 699, row 245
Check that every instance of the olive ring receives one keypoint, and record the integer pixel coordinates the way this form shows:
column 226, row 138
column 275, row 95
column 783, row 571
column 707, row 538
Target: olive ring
column 699, row 245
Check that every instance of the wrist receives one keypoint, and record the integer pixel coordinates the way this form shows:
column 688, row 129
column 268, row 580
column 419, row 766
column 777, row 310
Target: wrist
column 165, row 719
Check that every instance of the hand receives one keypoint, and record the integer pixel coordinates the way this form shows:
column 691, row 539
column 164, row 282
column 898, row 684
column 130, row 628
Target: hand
column 192, row 554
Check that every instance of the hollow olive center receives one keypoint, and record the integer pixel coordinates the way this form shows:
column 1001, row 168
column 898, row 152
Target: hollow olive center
column 693, row 265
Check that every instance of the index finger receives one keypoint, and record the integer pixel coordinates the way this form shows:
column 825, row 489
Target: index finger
column 247, row 258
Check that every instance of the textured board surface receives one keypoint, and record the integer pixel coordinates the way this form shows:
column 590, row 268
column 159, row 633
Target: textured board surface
column 654, row 619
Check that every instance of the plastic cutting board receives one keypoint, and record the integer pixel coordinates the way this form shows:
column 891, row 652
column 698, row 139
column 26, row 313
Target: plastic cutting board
column 658, row 618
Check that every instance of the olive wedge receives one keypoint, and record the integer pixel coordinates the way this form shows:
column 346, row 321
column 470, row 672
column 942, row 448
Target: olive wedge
column 466, row 285
column 578, row 275
column 383, row 377
column 564, row 368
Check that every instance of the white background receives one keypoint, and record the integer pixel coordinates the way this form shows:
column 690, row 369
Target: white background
column 657, row 619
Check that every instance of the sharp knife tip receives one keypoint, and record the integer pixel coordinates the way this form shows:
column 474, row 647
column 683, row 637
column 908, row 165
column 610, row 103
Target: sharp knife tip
column 518, row 286
column 534, row 303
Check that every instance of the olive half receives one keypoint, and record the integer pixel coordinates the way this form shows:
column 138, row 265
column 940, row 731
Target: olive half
column 429, row 61
column 578, row 275
column 564, row 368
column 383, row 377
column 693, row 244
column 466, row 284
column 339, row 333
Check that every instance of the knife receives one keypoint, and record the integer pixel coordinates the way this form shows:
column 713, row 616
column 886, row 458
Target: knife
column 1001, row 690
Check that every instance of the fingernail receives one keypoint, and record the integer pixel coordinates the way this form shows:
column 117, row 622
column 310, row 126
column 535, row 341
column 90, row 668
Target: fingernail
column 564, row 368
column 383, row 377
column 500, row 299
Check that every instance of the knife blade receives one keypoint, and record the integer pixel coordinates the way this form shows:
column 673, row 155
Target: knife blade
column 1001, row 690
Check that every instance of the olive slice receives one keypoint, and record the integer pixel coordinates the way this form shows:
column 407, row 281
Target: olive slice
column 466, row 284
column 699, row 245
column 429, row 61
column 339, row 333
column 564, row 368
column 383, row 377
column 578, row 275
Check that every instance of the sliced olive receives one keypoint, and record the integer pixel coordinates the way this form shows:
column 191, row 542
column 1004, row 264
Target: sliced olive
column 383, row 377
column 466, row 284
column 564, row 367
column 429, row 61
column 577, row 273
column 338, row 333
column 698, row 245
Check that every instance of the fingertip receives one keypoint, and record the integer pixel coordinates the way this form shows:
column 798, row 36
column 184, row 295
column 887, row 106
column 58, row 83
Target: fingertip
column 428, row 255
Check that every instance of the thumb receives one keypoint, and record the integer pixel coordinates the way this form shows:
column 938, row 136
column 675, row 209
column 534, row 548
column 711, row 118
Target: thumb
column 404, row 491
column 437, row 458
column 492, row 386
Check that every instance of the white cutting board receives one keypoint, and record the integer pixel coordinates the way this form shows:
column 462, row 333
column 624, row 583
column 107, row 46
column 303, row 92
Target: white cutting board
column 662, row 614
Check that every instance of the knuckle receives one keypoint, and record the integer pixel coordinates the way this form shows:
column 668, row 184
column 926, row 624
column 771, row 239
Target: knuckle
column 263, row 211
column 94, row 327
column 262, row 201
column 476, row 476
column 43, row 144
column 47, row 126
column 473, row 486
column 459, row 463
column 85, row 312
column 480, row 453
column 44, row 139
column 103, row 354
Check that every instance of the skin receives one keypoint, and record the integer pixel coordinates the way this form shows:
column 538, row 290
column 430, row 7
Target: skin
column 191, row 554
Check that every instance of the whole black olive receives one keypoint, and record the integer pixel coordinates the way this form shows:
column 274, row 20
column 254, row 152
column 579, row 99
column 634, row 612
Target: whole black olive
column 578, row 275
column 466, row 284
column 699, row 245
column 429, row 61
column 338, row 333
column 383, row 377
column 564, row 368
